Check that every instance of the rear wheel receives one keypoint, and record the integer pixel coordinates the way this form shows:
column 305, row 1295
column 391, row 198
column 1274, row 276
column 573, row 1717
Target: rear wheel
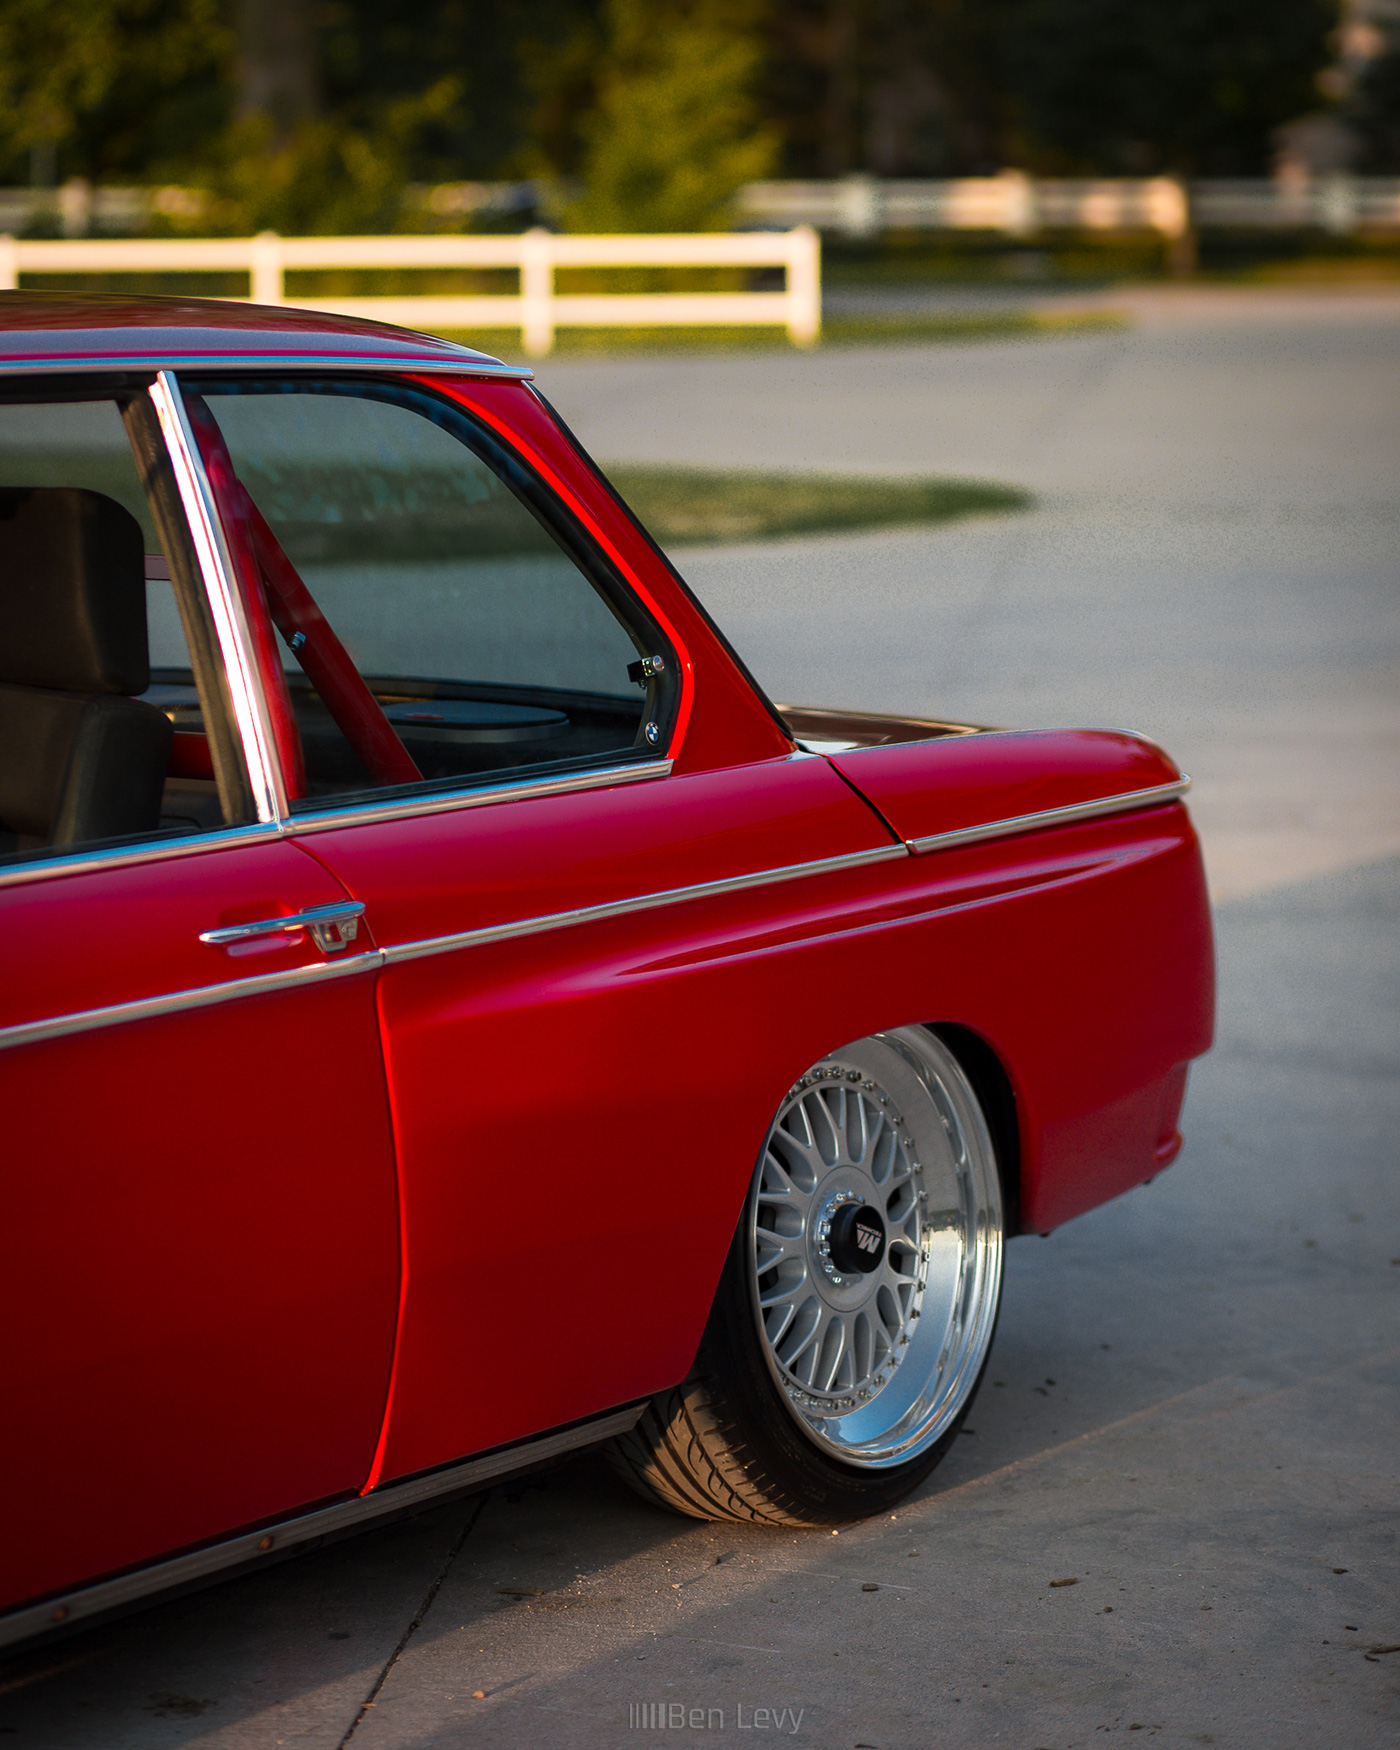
column 857, row 1305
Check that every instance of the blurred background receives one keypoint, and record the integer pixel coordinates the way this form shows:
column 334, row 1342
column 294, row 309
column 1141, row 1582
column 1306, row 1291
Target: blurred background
column 208, row 117
column 1104, row 427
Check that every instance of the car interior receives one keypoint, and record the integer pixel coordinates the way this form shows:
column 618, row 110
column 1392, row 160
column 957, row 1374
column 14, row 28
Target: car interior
column 84, row 758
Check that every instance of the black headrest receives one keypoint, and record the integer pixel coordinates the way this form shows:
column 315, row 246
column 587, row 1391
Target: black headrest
column 72, row 592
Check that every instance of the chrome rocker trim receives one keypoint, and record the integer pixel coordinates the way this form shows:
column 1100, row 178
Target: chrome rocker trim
column 1017, row 823
column 89, row 1601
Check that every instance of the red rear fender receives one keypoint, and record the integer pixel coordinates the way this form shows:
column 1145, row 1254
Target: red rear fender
column 954, row 783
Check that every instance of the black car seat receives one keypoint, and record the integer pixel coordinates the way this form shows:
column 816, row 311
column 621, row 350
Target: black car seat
column 80, row 758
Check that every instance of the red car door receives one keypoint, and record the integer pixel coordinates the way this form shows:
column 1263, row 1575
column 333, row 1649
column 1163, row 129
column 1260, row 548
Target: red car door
column 200, row 1245
column 199, row 1250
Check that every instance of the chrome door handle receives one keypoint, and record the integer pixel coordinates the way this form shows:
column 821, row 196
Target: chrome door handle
column 332, row 927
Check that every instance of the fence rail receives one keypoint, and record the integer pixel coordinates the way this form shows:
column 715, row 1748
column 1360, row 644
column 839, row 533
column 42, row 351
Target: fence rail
column 537, row 309
column 1019, row 205
column 1012, row 203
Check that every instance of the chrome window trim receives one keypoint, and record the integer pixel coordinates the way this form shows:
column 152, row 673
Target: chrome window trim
column 587, row 914
column 108, row 363
column 230, row 623
column 44, row 868
column 405, row 807
column 204, row 996
column 268, row 832
column 1046, row 817
column 196, row 1565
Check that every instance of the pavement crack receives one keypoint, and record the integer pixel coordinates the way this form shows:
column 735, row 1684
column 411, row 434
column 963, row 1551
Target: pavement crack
column 417, row 1620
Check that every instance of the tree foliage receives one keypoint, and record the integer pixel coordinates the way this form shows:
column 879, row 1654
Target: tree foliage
column 647, row 113
column 897, row 87
column 1133, row 86
column 673, row 128
column 110, row 88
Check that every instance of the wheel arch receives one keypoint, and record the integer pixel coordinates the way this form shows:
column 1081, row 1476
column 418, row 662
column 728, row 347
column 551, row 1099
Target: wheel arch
column 996, row 1095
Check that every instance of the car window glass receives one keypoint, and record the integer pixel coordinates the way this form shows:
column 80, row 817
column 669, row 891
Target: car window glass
column 95, row 670
column 421, row 555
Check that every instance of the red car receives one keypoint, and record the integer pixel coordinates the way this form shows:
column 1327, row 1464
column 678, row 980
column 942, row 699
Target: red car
column 450, row 1016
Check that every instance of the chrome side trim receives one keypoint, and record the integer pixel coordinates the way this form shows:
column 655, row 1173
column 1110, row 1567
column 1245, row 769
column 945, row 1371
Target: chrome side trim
column 588, row 914
column 403, row 807
column 88, row 1601
column 216, row 565
column 485, row 366
column 175, row 1002
column 124, row 856
column 1000, row 829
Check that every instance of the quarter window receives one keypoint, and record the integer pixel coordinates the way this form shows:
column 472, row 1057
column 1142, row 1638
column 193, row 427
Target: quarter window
column 437, row 618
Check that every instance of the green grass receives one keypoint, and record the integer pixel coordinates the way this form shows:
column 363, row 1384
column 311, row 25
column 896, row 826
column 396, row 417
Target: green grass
column 973, row 325
column 504, row 343
column 684, row 506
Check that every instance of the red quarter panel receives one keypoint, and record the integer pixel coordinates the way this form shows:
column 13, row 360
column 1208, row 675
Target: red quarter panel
column 568, row 1184
column 578, row 1111
column 952, row 782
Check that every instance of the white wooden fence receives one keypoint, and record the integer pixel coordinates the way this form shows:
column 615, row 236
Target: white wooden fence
column 1018, row 205
column 1013, row 203
column 537, row 309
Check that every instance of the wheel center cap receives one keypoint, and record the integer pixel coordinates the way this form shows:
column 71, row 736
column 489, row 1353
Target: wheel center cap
column 857, row 1241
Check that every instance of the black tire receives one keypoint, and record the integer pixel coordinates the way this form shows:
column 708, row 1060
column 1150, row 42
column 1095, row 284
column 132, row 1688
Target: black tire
column 740, row 1437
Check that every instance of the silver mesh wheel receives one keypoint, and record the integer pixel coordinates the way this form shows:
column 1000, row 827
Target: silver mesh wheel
column 876, row 1361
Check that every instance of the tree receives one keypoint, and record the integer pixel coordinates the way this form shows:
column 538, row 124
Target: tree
column 897, row 87
column 1195, row 87
column 298, row 114
column 108, row 88
column 279, row 75
column 674, row 127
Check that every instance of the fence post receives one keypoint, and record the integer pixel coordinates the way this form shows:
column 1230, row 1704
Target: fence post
column 9, row 264
column 861, row 202
column 75, row 206
column 537, row 292
column 1168, row 211
column 804, row 286
column 1337, row 203
column 265, row 268
column 1020, row 208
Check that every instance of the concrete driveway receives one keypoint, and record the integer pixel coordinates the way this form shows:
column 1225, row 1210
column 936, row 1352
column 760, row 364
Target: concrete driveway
column 1174, row 1513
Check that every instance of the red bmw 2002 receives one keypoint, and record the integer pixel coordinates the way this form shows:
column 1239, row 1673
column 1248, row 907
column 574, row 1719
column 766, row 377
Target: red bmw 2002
column 450, row 1016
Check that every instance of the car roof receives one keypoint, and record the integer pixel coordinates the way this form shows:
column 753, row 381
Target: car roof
column 84, row 331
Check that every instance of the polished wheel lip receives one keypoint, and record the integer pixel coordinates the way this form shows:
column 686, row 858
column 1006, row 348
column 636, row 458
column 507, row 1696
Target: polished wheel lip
column 907, row 1400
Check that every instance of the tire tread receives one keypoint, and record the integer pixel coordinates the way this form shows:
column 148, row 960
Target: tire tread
column 682, row 1455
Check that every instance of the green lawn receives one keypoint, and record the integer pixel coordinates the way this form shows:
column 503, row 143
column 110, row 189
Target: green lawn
column 955, row 326
column 683, row 506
